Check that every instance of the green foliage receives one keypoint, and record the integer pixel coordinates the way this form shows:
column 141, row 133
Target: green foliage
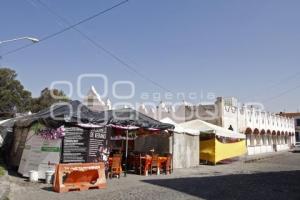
column 47, row 98
column 2, row 171
column 13, row 96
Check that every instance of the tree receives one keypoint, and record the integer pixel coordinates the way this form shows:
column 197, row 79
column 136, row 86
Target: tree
column 13, row 96
column 47, row 98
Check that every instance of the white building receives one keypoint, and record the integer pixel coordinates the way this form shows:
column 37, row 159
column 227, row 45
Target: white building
column 94, row 102
column 265, row 132
column 296, row 117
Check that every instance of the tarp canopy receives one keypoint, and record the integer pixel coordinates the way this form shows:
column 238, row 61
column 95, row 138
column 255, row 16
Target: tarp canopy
column 204, row 127
column 70, row 112
column 76, row 112
column 130, row 117
column 178, row 128
column 6, row 127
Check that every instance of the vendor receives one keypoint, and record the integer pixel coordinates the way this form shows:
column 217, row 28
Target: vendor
column 102, row 156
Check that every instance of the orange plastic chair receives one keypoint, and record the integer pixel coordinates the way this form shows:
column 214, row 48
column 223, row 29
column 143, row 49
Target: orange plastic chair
column 168, row 165
column 154, row 164
column 116, row 168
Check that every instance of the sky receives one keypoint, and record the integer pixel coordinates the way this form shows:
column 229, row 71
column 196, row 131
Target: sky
column 246, row 49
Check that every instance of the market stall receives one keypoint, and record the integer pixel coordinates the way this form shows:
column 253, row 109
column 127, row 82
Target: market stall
column 183, row 145
column 71, row 133
column 217, row 143
column 128, row 128
column 65, row 133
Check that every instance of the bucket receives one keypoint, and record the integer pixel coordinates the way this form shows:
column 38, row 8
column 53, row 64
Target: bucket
column 33, row 176
column 49, row 177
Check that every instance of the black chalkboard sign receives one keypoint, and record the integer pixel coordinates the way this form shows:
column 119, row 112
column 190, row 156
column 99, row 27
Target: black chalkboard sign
column 82, row 145
column 97, row 142
column 75, row 145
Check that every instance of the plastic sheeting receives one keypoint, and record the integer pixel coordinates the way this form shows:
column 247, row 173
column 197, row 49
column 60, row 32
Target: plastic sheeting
column 65, row 112
column 75, row 112
column 131, row 117
column 180, row 129
column 197, row 126
column 214, row 151
column 6, row 127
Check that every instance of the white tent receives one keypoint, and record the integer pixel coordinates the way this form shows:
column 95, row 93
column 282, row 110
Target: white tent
column 184, row 146
column 179, row 128
column 197, row 126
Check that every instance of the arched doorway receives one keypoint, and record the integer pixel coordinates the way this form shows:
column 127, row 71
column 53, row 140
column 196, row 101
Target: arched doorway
column 257, row 140
column 249, row 137
column 264, row 138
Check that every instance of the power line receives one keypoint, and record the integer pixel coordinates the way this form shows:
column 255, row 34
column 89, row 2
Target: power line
column 284, row 80
column 66, row 29
column 281, row 94
column 101, row 47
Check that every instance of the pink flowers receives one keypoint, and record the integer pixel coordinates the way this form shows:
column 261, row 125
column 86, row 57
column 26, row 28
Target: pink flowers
column 52, row 134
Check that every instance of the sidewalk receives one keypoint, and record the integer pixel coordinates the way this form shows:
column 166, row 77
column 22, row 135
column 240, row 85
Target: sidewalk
column 254, row 158
column 4, row 184
column 4, row 187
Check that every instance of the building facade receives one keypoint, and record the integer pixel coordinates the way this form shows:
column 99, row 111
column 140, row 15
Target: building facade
column 296, row 117
column 265, row 131
column 94, row 102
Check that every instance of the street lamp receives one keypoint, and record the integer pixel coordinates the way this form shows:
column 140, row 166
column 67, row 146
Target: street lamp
column 32, row 39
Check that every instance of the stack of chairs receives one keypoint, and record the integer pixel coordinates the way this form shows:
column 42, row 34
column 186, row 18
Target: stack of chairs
column 154, row 164
column 167, row 167
column 116, row 168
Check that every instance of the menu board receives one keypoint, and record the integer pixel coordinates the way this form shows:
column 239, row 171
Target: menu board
column 82, row 145
column 97, row 143
column 75, row 145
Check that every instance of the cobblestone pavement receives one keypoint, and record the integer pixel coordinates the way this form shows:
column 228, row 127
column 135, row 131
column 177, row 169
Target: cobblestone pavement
column 274, row 177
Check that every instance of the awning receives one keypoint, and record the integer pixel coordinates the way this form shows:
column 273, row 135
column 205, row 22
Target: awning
column 130, row 117
column 74, row 112
column 199, row 126
column 129, row 127
column 66, row 112
column 180, row 129
column 89, row 125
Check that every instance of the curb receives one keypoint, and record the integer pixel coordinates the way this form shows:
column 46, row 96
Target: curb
column 262, row 157
column 257, row 159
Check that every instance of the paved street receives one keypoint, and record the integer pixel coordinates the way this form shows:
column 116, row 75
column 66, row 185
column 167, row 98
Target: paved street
column 274, row 177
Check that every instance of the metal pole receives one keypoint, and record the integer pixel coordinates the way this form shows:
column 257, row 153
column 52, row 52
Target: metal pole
column 34, row 40
column 173, row 141
column 126, row 154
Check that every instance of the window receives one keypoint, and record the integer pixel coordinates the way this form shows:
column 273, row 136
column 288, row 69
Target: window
column 90, row 101
column 298, row 122
column 297, row 137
